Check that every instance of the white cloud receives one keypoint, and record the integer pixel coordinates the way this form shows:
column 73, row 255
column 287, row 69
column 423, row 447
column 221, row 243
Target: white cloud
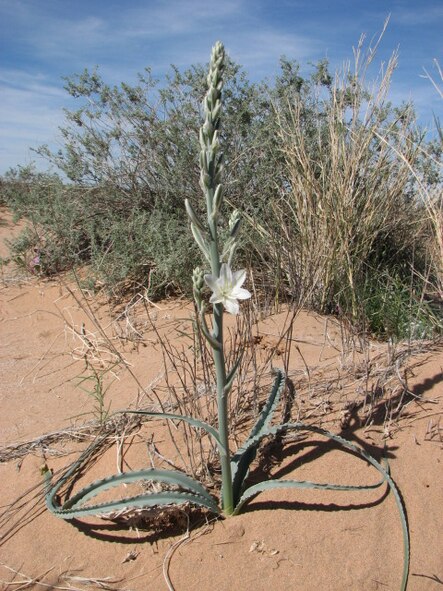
column 30, row 115
column 423, row 96
column 260, row 49
column 26, row 82
column 60, row 37
column 419, row 15
column 180, row 17
column 178, row 31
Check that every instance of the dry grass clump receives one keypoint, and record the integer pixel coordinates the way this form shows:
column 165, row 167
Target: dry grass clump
column 342, row 203
column 348, row 226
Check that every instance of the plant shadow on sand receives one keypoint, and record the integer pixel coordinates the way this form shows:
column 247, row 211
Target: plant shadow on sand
column 427, row 384
column 176, row 524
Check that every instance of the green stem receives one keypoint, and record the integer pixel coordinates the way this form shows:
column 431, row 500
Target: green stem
column 222, row 403
column 220, row 372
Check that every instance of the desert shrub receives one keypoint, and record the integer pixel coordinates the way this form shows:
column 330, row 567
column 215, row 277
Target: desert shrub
column 141, row 140
column 328, row 175
column 71, row 226
column 145, row 250
column 396, row 308
column 129, row 156
column 56, row 216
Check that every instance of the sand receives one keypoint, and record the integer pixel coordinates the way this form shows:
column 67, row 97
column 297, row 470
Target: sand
column 285, row 539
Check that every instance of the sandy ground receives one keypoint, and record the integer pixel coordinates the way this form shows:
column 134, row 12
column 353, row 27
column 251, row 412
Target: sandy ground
column 284, row 540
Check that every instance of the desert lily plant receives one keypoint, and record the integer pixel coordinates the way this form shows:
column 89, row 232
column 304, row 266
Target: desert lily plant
column 226, row 287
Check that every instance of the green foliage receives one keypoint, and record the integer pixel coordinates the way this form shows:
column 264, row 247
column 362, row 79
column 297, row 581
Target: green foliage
column 58, row 226
column 395, row 309
column 144, row 250
column 130, row 156
column 324, row 170
column 124, row 248
column 92, row 383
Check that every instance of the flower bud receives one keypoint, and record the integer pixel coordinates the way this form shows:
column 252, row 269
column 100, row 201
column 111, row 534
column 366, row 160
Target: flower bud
column 234, row 223
column 203, row 161
column 198, row 283
column 202, row 139
column 215, row 145
column 205, row 179
column 218, row 196
column 216, row 110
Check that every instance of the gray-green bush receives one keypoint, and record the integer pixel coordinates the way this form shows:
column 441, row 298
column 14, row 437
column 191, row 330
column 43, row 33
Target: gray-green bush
column 323, row 168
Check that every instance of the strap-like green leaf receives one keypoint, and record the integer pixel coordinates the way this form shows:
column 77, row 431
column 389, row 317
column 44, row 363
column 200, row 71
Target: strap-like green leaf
column 245, row 455
column 193, row 491
column 167, row 476
column 268, row 410
column 52, row 490
column 254, row 490
column 146, row 500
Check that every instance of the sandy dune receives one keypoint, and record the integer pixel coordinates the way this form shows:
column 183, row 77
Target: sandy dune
column 284, row 540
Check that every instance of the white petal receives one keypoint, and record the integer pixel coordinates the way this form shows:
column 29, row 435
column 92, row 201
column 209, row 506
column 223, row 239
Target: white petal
column 240, row 293
column 226, row 274
column 211, row 282
column 231, row 306
column 216, row 298
column 239, row 278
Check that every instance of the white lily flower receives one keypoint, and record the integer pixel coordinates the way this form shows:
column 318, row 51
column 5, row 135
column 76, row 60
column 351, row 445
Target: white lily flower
column 227, row 288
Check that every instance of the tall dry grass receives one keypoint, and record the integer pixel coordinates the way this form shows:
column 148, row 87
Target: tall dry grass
column 347, row 201
column 429, row 195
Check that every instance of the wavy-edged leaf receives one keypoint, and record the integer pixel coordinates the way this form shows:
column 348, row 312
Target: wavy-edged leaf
column 268, row 410
column 245, row 455
column 146, row 500
column 249, row 493
column 255, row 489
column 192, row 492
column 190, row 420
column 166, row 476
column 52, row 490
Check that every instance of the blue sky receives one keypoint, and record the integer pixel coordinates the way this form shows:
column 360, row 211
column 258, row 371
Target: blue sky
column 43, row 40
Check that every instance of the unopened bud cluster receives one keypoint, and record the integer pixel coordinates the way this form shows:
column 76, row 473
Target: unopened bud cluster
column 210, row 156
